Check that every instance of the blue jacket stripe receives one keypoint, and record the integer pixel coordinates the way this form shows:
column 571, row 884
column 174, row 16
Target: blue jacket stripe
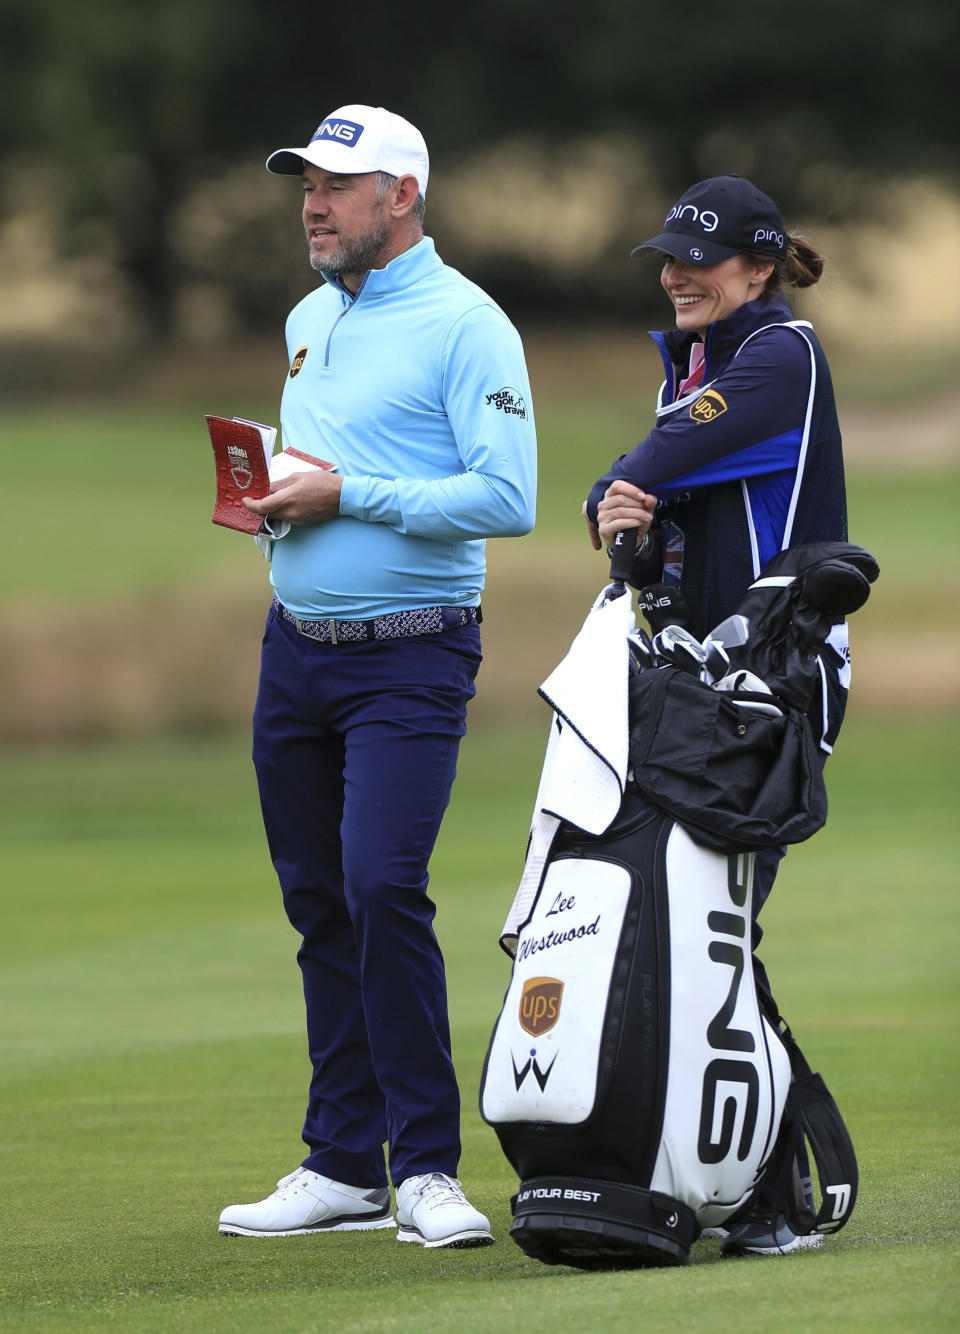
column 801, row 462
column 777, row 454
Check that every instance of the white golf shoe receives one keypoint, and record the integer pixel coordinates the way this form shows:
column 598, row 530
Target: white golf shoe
column 433, row 1210
column 306, row 1202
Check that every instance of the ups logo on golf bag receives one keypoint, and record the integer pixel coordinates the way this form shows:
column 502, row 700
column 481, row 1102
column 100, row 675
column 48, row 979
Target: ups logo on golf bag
column 540, row 1004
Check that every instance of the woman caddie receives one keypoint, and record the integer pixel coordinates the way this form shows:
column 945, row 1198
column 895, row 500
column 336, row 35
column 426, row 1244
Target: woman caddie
column 744, row 460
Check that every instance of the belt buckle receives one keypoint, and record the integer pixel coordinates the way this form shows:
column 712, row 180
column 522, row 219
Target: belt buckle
column 309, row 628
column 304, row 628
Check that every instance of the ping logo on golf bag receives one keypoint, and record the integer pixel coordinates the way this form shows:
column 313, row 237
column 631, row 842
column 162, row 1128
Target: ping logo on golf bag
column 842, row 1196
column 730, row 1085
column 540, row 1004
column 708, row 406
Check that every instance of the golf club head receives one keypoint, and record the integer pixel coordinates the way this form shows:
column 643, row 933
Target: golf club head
column 662, row 605
column 836, row 589
column 732, row 632
column 641, row 650
column 678, row 647
column 744, row 682
column 717, row 661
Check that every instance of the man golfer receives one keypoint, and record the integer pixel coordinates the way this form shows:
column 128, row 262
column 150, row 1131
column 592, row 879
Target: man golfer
column 412, row 382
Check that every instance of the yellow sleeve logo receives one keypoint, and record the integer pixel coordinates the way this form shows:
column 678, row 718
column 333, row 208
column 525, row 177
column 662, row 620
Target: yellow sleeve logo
column 299, row 357
column 709, row 405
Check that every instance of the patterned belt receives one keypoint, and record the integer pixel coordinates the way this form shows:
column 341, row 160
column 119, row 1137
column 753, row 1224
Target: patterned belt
column 396, row 625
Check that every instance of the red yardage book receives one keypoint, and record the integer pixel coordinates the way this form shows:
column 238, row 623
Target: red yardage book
column 242, row 453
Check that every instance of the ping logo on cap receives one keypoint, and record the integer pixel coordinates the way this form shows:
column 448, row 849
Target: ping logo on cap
column 345, row 132
column 768, row 234
column 709, row 405
column 707, row 219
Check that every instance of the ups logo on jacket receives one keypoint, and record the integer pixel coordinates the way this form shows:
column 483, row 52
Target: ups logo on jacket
column 299, row 357
column 709, row 405
column 540, row 1004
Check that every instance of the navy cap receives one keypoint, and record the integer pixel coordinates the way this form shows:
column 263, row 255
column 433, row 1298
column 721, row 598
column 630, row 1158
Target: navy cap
column 719, row 218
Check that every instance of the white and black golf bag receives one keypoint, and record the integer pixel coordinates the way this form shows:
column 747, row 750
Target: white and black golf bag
column 640, row 1082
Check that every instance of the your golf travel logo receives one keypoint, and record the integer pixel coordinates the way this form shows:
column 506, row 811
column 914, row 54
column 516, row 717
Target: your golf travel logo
column 540, row 1004
column 509, row 401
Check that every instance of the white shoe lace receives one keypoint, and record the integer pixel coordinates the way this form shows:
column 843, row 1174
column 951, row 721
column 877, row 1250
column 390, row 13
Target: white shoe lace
column 439, row 1189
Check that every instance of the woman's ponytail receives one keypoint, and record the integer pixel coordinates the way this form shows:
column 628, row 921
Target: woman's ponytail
column 803, row 265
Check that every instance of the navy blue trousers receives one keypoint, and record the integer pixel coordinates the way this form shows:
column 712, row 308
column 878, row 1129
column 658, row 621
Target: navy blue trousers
column 355, row 749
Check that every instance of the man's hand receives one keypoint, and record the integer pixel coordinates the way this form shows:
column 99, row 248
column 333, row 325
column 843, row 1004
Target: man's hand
column 306, row 497
column 624, row 506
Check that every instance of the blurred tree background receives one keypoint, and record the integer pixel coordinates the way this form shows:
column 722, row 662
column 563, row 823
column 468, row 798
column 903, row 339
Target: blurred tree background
column 134, row 203
column 147, row 262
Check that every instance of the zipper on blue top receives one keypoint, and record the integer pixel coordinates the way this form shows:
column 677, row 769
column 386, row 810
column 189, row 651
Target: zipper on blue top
column 351, row 302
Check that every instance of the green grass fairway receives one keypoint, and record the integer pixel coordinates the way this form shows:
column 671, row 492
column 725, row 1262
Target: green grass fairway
column 115, row 502
column 154, row 1062
column 152, row 1055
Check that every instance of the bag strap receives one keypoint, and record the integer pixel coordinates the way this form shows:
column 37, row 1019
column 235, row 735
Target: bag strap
column 810, row 1115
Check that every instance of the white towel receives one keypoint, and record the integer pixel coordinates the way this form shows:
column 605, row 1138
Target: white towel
column 585, row 767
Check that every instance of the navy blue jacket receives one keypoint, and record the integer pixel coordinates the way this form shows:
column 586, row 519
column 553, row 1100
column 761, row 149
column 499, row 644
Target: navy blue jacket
column 746, row 465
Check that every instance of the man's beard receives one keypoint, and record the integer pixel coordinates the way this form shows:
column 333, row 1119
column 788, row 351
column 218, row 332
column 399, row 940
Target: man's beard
column 355, row 254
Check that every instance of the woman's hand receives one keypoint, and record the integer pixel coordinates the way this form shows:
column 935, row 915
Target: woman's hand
column 593, row 532
column 624, row 506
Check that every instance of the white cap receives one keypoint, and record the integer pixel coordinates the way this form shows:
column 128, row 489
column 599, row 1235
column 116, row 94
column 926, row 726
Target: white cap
column 355, row 140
